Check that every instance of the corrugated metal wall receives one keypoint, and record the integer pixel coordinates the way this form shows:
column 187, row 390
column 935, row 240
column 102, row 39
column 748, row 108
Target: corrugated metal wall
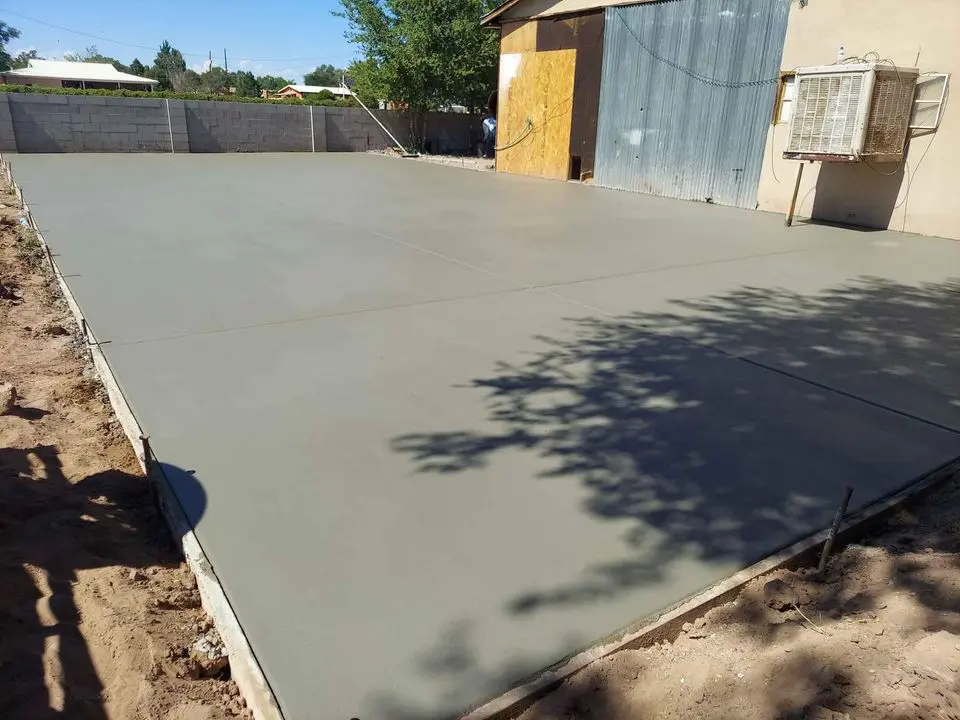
column 670, row 123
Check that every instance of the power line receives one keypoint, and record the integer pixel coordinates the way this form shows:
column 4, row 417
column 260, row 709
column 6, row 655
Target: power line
column 101, row 38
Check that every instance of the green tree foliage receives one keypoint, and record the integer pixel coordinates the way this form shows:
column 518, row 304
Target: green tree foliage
column 137, row 68
column 273, row 82
column 423, row 54
column 7, row 34
column 23, row 59
column 366, row 83
column 190, row 82
column 246, row 84
column 215, row 80
column 168, row 67
column 92, row 55
column 323, row 75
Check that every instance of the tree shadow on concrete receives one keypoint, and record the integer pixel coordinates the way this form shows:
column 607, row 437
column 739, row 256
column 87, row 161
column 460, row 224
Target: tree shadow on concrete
column 51, row 529
column 727, row 427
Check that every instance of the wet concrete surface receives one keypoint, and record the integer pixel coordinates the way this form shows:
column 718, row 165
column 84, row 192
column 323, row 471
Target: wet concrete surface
column 453, row 426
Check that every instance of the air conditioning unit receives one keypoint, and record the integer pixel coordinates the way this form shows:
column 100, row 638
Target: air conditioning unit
column 849, row 113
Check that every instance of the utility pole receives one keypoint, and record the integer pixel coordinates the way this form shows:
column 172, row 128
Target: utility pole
column 209, row 59
column 225, row 60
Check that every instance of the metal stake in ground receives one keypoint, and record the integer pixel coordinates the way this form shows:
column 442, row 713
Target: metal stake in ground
column 837, row 519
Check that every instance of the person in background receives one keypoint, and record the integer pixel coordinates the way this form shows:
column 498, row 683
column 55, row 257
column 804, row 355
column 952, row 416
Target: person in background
column 490, row 127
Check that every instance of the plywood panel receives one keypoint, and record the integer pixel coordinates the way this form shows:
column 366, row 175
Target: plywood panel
column 518, row 37
column 535, row 106
column 583, row 33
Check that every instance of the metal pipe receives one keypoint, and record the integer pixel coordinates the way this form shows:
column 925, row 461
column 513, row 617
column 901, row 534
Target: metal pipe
column 376, row 119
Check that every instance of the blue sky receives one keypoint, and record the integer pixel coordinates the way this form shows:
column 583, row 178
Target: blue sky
column 281, row 37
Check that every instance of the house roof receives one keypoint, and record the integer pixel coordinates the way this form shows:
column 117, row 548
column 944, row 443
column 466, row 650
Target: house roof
column 498, row 11
column 68, row 70
column 517, row 9
column 311, row 89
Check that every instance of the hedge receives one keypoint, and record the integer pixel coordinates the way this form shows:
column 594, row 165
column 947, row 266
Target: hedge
column 161, row 94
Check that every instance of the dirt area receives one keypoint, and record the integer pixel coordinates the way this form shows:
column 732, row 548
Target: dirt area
column 99, row 617
column 460, row 161
column 878, row 636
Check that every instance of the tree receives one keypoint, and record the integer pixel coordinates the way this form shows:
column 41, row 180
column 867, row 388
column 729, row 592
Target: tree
column 23, row 59
column 423, row 54
column 272, row 82
column 93, row 55
column 168, row 67
column 246, row 84
column 7, row 34
column 366, row 83
column 323, row 75
column 190, row 82
column 214, row 80
column 137, row 68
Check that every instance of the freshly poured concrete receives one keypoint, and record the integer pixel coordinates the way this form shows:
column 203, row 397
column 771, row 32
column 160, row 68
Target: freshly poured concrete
column 452, row 426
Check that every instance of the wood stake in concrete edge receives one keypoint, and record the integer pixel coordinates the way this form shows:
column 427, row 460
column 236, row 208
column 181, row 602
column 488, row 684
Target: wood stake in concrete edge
column 667, row 625
column 244, row 667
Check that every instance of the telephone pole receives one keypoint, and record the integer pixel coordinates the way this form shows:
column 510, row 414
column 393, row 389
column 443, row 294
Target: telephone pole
column 225, row 60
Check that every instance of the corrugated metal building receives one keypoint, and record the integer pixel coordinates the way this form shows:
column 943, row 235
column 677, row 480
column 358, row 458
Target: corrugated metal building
column 671, row 97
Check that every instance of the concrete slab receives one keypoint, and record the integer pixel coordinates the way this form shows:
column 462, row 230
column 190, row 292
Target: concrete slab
column 439, row 452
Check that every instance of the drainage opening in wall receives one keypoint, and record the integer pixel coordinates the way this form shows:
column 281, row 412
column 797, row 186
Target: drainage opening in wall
column 574, row 168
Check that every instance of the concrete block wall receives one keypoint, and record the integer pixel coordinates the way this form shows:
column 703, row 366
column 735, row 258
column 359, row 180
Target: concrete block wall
column 350, row 130
column 8, row 139
column 75, row 123
column 35, row 123
column 246, row 127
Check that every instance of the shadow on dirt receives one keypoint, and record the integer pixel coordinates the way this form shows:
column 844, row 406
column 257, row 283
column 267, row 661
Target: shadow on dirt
column 51, row 529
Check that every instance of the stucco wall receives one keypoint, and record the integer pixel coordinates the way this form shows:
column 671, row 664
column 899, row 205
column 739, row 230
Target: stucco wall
column 917, row 196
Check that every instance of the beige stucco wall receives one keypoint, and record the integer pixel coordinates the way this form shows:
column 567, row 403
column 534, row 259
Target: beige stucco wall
column 918, row 196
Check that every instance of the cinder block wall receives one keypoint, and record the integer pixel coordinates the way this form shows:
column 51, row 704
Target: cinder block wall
column 35, row 123
column 245, row 127
column 8, row 139
column 76, row 123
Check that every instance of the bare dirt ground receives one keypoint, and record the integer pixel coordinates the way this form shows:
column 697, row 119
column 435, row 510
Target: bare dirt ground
column 461, row 161
column 878, row 636
column 98, row 614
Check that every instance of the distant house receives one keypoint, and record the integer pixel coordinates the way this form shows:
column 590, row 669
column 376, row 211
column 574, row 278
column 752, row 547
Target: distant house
column 67, row 74
column 298, row 91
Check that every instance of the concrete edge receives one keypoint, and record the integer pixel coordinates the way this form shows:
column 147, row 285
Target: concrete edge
column 245, row 670
column 667, row 625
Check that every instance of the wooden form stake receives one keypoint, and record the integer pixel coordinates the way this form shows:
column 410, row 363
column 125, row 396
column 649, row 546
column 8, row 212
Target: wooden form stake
column 796, row 192
column 147, row 453
column 831, row 538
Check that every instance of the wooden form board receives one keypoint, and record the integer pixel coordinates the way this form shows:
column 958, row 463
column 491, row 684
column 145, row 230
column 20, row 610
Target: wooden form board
column 535, row 86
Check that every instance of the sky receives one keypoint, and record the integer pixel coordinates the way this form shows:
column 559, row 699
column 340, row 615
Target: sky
column 280, row 37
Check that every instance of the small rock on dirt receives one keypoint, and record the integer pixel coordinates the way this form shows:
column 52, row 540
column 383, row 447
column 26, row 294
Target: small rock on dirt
column 8, row 397
column 819, row 712
column 136, row 576
column 778, row 595
column 699, row 623
column 687, row 627
column 208, row 656
column 937, row 655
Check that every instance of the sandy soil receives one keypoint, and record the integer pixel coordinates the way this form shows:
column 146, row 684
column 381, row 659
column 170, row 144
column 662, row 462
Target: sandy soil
column 98, row 615
column 877, row 637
